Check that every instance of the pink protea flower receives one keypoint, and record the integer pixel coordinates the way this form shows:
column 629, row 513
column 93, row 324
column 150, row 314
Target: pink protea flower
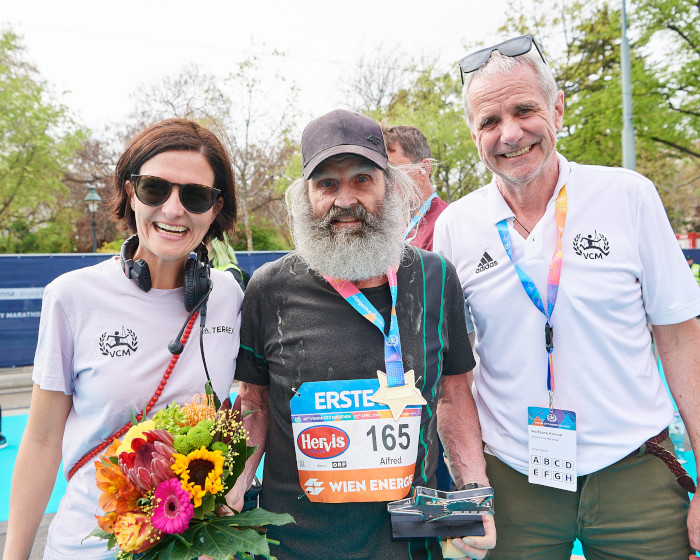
column 148, row 462
column 173, row 507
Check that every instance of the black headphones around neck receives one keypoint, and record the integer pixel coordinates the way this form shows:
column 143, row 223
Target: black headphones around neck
column 197, row 280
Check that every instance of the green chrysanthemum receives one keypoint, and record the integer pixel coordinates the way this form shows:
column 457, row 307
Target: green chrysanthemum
column 171, row 418
column 208, row 424
column 182, row 445
column 199, row 436
column 219, row 446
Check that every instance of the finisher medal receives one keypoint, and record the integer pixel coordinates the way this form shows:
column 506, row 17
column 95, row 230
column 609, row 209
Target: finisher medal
column 399, row 397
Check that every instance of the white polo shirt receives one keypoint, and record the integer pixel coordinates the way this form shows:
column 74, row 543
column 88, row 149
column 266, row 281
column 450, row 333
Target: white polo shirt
column 621, row 265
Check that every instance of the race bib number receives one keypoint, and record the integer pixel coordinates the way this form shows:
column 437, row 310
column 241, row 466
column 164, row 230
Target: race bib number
column 350, row 449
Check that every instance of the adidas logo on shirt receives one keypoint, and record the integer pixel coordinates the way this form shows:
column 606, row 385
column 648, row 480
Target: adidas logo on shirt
column 486, row 263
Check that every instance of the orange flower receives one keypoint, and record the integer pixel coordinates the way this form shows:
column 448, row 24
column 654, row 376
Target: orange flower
column 201, row 407
column 106, row 522
column 118, row 493
column 135, row 533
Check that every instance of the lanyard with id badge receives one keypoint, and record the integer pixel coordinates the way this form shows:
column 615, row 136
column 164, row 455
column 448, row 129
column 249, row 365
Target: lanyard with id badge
column 551, row 431
column 357, row 440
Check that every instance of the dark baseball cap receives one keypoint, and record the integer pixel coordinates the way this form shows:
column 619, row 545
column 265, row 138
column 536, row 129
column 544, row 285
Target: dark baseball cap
column 342, row 132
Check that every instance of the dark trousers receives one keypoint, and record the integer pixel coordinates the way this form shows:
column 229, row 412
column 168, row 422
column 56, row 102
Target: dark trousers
column 631, row 509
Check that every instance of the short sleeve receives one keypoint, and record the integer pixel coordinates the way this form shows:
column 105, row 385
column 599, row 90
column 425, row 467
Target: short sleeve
column 671, row 294
column 251, row 365
column 53, row 361
column 459, row 357
column 441, row 240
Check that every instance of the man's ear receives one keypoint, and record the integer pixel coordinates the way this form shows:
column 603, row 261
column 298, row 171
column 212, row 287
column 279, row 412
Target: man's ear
column 559, row 110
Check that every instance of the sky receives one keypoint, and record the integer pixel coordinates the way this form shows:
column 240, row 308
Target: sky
column 97, row 53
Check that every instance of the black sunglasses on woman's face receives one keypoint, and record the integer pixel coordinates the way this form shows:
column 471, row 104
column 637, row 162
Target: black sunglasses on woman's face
column 154, row 191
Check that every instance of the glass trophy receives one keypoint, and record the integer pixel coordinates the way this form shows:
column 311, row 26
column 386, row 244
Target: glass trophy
column 434, row 513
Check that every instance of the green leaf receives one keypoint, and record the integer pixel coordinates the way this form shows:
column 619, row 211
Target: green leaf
column 183, row 540
column 244, row 452
column 134, row 421
column 219, row 541
column 168, row 550
column 210, row 391
column 142, row 502
column 259, row 517
column 208, row 503
column 220, row 537
column 99, row 533
column 248, row 412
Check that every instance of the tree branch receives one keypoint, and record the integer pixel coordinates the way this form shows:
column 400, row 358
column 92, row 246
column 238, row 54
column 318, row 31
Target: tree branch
column 677, row 29
column 675, row 146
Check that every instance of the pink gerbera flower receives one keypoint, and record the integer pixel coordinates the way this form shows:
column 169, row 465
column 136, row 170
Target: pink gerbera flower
column 173, row 507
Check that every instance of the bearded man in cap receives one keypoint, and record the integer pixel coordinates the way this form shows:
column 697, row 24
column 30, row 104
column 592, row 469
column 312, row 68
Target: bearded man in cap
column 353, row 351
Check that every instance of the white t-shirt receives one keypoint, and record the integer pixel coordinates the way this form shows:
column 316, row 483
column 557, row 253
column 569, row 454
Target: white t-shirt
column 104, row 341
column 621, row 265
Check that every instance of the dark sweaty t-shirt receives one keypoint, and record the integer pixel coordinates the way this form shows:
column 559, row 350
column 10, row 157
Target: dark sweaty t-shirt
column 296, row 328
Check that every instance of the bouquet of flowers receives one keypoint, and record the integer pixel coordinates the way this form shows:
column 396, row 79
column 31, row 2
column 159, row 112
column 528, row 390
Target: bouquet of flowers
column 164, row 483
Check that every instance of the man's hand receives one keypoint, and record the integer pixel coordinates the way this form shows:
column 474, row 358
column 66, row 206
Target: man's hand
column 677, row 345
column 255, row 407
column 458, row 426
column 236, row 496
column 472, row 547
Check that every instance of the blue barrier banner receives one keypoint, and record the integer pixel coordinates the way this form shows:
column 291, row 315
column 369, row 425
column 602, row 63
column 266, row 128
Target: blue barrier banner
column 693, row 253
column 22, row 282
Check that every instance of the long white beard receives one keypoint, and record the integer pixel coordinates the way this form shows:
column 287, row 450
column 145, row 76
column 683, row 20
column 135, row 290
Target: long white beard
column 355, row 255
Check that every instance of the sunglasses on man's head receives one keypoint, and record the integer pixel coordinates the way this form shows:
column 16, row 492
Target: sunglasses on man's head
column 512, row 47
column 154, row 191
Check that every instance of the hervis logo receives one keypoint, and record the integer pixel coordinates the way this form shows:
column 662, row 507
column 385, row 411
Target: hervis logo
column 323, row 442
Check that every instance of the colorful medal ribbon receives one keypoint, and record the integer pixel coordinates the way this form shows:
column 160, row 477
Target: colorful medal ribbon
column 392, row 341
column 552, row 283
column 422, row 212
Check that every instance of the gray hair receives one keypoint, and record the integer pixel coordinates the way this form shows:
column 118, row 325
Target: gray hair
column 499, row 65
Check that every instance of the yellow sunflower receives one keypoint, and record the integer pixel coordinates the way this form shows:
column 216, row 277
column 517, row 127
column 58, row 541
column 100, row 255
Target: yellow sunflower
column 200, row 472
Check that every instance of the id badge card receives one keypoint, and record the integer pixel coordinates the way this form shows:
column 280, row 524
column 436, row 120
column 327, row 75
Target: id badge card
column 349, row 448
column 552, row 447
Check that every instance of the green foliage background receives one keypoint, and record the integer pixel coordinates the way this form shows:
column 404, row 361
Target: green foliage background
column 38, row 141
column 47, row 159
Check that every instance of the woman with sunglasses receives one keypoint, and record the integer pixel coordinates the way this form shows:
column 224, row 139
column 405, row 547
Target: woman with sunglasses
column 106, row 330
